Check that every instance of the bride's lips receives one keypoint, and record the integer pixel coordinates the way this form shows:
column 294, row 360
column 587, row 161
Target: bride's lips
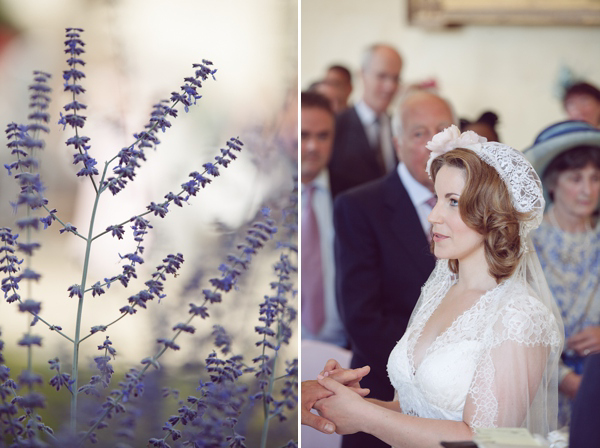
column 438, row 237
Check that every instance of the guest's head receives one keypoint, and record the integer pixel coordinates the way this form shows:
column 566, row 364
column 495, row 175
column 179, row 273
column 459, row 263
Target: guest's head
column 419, row 116
column 380, row 70
column 341, row 77
column 316, row 134
column 330, row 91
column 485, row 126
column 472, row 197
column 567, row 156
column 582, row 102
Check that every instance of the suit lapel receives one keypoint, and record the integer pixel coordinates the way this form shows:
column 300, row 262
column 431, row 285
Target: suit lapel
column 361, row 133
column 363, row 140
column 405, row 224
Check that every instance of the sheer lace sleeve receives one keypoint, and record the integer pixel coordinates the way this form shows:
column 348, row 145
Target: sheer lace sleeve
column 510, row 384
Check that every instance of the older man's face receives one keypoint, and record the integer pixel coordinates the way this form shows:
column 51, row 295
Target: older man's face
column 381, row 79
column 423, row 115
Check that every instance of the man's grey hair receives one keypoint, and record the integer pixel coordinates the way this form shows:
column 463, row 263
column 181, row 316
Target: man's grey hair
column 367, row 55
column 397, row 120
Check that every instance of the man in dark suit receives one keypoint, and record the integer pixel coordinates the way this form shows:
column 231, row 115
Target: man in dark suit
column 363, row 149
column 382, row 251
column 584, row 429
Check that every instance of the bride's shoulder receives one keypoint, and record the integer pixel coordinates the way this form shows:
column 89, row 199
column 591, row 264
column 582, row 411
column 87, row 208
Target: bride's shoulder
column 524, row 318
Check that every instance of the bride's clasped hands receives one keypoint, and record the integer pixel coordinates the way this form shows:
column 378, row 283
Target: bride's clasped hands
column 345, row 406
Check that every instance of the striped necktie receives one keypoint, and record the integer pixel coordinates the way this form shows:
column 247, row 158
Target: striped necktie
column 312, row 289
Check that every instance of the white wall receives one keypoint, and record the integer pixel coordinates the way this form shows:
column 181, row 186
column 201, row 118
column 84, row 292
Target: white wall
column 510, row 69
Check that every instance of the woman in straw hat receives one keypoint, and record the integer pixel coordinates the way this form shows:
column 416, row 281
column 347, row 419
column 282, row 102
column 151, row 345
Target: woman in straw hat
column 567, row 156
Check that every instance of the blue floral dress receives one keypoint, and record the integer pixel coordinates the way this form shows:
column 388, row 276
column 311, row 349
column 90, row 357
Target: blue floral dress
column 571, row 263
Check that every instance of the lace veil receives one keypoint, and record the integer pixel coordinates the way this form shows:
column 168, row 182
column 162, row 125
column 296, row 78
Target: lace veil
column 516, row 380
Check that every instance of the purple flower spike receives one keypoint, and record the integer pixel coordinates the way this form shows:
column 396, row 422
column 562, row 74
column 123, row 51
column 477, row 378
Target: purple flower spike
column 75, row 290
column 72, row 117
column 29, row 339
column 30, row 306
column 168, row 343
column 68, row 228
column 116, row 231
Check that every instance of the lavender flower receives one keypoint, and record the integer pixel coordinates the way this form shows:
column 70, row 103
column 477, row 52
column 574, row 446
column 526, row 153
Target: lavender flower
column 106, row 346
column 30, row 306
column 47, row 221
column 30, row 274
column 28, row 340
column 212, row 416
column 60, row 379
column 116, row 231
column 131, row 156
column 72, row 117
column 97, row 289
column 9, row 265
column 68, row 228
column 75, row 290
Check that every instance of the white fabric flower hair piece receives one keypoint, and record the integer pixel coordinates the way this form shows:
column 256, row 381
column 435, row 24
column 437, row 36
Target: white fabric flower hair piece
column 449, row 139
column 523, row 183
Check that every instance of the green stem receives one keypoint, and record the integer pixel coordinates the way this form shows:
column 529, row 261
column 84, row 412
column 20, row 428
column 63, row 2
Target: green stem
column 29, row 295
column 139, row 375
column 117, row 319
column 141, row 372
column 142, row 214
column 52, row 327
column 62, row 223
column 76, row 341
column 272, row 378
column 44, row 321
column 80, row 151
column 10, row 422
column 118, row 399
column 265, row 430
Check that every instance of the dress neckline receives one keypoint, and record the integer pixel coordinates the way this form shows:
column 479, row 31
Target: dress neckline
column 415, row 336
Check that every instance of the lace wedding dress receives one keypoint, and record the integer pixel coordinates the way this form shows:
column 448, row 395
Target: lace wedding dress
column 489, row 368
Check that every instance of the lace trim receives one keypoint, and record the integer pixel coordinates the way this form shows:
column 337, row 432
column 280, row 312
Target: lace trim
column 505, row 313
column 522, row 181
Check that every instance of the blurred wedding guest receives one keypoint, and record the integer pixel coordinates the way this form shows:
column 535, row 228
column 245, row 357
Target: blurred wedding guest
column 567, row 156
column 485, row 126
column 341, row 77
column 382, row 247
column 331, row 91
column 363, row 148
column 320, row 318
column 584, row 431
column 582, row 102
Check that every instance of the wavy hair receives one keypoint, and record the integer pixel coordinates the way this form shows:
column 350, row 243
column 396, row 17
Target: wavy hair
column 485, row 206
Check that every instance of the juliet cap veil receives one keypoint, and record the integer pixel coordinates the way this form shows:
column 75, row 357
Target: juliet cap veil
column 525, row 188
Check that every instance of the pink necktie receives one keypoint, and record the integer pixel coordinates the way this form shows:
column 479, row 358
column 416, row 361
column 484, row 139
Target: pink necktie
column 312, row 290
column 431, row 203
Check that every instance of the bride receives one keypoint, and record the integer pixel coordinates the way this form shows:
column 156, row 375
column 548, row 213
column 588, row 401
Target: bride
column 482, row 345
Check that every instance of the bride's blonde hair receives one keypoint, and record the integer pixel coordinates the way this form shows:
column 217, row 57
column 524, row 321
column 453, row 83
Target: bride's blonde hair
column 486, row 207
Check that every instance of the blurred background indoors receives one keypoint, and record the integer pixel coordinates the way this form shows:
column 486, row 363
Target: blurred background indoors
column 511, row 57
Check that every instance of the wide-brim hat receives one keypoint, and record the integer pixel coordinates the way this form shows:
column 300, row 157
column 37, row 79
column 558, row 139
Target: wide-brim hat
column 558, row 138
